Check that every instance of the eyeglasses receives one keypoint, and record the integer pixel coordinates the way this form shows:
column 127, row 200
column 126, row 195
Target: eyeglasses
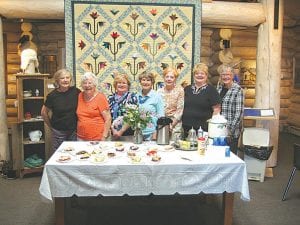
column 225, row 74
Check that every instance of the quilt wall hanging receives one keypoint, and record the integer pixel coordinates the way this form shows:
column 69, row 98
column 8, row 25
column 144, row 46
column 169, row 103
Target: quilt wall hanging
column 131, row 36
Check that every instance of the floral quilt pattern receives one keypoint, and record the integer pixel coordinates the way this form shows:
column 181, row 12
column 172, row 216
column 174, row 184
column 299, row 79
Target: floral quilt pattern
column 131, row 37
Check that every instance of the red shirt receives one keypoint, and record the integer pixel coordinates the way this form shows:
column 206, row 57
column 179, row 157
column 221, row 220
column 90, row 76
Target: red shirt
column 90, row 123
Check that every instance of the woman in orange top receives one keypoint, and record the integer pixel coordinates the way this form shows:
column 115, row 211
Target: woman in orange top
column 93, row 111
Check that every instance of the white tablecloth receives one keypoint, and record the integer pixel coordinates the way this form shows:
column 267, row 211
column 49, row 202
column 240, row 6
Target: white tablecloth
column 213, row 173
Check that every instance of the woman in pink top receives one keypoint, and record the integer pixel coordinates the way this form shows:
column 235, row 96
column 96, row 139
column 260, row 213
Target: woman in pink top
column 173, row 96
column 93, row 111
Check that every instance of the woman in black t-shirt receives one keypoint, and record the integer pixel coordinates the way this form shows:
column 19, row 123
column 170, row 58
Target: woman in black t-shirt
column 201, row 101
column 62, row 103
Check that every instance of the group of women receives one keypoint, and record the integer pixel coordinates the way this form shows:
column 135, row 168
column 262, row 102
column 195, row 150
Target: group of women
column 88, row 115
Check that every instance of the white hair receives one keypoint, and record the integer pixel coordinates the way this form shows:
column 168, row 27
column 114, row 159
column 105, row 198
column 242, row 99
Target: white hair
column 87, row 76
column 224, row 68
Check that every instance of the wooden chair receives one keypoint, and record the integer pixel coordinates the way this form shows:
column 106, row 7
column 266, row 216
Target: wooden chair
column 295, row 167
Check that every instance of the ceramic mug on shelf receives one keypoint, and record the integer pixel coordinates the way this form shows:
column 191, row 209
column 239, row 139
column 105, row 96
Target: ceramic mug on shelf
column 27, row 116
column 35, row 135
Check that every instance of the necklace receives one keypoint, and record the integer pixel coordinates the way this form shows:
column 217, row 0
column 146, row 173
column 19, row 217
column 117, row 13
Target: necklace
column 89, row 98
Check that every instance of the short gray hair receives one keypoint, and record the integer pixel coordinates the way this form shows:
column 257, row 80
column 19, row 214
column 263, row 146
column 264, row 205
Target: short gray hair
column 87, row 76
column 225, row 68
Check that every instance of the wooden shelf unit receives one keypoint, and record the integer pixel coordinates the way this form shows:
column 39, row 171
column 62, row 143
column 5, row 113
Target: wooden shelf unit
column 32, row 105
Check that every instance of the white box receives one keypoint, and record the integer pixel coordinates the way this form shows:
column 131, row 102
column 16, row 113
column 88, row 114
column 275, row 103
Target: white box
column 255, row 168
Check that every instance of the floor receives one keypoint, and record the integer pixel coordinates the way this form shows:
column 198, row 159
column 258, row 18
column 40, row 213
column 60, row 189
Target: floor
column 21, row 203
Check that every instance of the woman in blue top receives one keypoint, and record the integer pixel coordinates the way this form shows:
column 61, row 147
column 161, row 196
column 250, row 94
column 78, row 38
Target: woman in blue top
column 151, row 101
column 117, row 102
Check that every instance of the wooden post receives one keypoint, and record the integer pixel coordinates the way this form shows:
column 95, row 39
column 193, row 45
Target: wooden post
column 4, row 152
column 268, row 63
column 228, row 199
column 59, row 211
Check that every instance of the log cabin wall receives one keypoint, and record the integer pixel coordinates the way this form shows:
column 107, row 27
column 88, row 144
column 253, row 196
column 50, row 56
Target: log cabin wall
column 291, row 51
column 50, row 40
column 243, row 49
column 12, row 32
column 288, row 46
column 51, row 43
column 242, row 52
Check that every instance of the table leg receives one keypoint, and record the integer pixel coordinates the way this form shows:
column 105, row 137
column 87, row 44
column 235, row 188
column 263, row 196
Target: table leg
column 59, row 211
column 228, row 207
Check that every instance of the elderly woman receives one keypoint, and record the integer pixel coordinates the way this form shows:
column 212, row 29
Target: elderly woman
column 150, row 101
column 173, row 96
column 232, row 104
column 201, row 101
column 93, row 111
column 59, row 109
column 117, row 102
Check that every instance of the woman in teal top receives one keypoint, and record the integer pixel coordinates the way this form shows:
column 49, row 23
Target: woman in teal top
column 151, row 101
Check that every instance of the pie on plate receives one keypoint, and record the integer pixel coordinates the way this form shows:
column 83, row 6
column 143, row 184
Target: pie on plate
column 134, row 147
column 68, row 149
column 111, row 154
column 156, row 158
column 98, row 159
column 151, row 152
column 120, row 148
column 136, row 159
column 131, row 153
column 82, row 152
column 96, row 151
column 118, row 144
column 84, row 156
column 64, row 158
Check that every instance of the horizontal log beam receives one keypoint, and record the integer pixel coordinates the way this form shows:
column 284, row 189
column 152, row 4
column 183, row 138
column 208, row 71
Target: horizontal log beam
column 233, row 14
column 32, row 9
column 214, row 13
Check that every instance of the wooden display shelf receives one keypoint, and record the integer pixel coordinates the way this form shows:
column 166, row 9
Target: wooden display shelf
column 32, row 75
column 33, row 98
column 32, row 120
column 27, row 170
column 29, row 119
column 27, row 141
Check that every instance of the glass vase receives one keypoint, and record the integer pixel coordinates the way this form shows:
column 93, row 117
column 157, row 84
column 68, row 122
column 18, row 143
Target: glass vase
column 138, row 136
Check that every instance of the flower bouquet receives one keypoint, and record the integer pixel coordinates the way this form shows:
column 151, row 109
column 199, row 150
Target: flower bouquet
column 137, row 119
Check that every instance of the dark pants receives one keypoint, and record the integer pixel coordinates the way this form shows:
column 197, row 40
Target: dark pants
column 59, row 136
column 233, row 143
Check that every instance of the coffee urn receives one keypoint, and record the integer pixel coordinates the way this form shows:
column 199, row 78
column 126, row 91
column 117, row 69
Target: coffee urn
column 163, row 130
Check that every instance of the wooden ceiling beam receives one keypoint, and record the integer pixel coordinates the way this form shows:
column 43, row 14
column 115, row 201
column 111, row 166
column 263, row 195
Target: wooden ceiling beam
column 213, row 13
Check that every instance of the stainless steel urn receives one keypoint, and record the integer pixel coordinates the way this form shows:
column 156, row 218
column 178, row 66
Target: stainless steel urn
column 163, row 130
